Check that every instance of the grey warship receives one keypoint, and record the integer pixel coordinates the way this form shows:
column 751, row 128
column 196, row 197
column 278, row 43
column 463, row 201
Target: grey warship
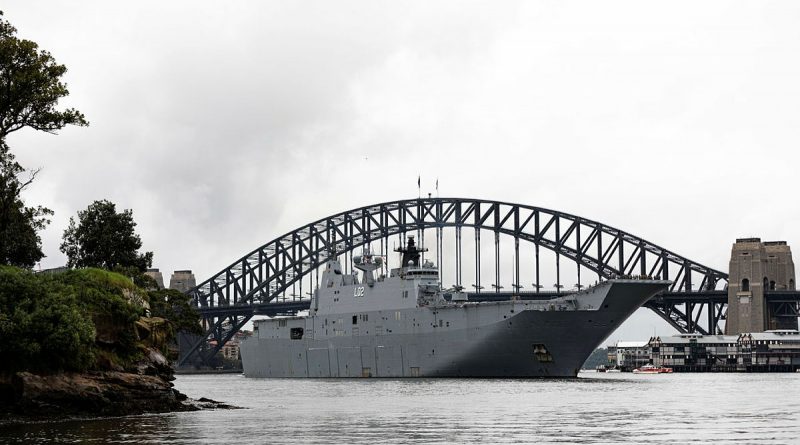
column 406, row 325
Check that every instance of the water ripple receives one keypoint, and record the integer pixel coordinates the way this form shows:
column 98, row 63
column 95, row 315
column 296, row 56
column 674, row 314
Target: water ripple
column 594, row 409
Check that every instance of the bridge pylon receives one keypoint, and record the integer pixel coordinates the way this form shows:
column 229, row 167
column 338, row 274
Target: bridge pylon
column 759, row 273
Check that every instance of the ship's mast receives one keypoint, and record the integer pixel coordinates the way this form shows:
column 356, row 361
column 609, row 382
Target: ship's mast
column 368, row 263
column 410, row 255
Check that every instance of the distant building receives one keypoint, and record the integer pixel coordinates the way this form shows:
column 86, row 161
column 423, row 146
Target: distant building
column 53, row 271
column 776, row 350
column 156, row 275
column 695, row 352
column 231, row 349
column 182, row 280
column 629, row 355
column 770, row 351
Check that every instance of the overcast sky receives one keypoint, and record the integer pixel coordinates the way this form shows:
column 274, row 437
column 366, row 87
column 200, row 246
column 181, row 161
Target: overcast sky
column 226, row 124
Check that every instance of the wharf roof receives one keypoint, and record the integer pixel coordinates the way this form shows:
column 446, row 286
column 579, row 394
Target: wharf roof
column 699, row 339
column 631, row 344
column 782, row 335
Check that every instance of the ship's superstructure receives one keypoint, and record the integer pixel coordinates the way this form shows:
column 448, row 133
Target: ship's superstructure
column 405, row 324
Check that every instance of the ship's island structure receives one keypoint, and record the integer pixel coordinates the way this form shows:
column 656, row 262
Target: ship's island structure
column 407, row 325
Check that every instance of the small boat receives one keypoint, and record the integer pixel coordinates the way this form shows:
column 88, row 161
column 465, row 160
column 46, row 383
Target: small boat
column 652, row 369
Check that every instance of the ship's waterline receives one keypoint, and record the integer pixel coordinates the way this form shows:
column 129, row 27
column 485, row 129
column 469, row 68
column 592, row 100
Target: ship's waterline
column 406, row 325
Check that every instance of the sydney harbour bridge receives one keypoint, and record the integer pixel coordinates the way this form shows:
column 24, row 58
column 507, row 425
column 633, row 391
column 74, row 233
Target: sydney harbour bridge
column 478, row 245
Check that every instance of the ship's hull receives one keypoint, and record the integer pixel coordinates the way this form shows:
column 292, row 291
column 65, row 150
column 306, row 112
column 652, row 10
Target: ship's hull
column 519, row 343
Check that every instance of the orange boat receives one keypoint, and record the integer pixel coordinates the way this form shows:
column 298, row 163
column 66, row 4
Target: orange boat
column 652, row 369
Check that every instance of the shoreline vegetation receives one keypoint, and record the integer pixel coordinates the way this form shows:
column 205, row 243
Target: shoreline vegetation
column 87, row 343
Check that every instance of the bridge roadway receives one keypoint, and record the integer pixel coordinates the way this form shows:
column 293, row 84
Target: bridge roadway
column 714, row 300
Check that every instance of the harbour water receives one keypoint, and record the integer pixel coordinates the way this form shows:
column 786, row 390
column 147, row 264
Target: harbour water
column 595, row 408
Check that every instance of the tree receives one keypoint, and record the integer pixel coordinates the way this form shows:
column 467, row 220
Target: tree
column 598, row 357
column 30, row 87
column 20, row 244
column 176, row 307
column 105, row 239
column 44, row 326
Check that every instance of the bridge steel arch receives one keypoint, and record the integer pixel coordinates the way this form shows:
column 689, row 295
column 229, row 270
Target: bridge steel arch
column 256, row 284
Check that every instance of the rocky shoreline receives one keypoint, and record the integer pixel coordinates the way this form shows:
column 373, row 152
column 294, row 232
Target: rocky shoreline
column 145, row 388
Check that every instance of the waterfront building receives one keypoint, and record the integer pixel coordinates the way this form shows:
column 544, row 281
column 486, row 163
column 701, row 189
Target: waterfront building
column 777, row 350
column 629, row 355
column 695, row 352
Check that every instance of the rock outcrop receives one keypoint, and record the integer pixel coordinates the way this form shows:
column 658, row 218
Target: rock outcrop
column 145, row 388
column 85, row 343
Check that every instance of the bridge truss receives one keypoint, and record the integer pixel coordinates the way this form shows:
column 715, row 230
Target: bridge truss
column 270, row 279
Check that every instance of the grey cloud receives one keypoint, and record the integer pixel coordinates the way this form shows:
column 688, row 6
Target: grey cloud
column 224, row 125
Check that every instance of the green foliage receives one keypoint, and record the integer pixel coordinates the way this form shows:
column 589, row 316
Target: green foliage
column 43, row 325
column 104, row 238
column 82, row 319
column 141, row 280
column 106, row 298
column 175, row 306
column 20, row 244
column 599, row 357
column 64, row 322
column 30, row 87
